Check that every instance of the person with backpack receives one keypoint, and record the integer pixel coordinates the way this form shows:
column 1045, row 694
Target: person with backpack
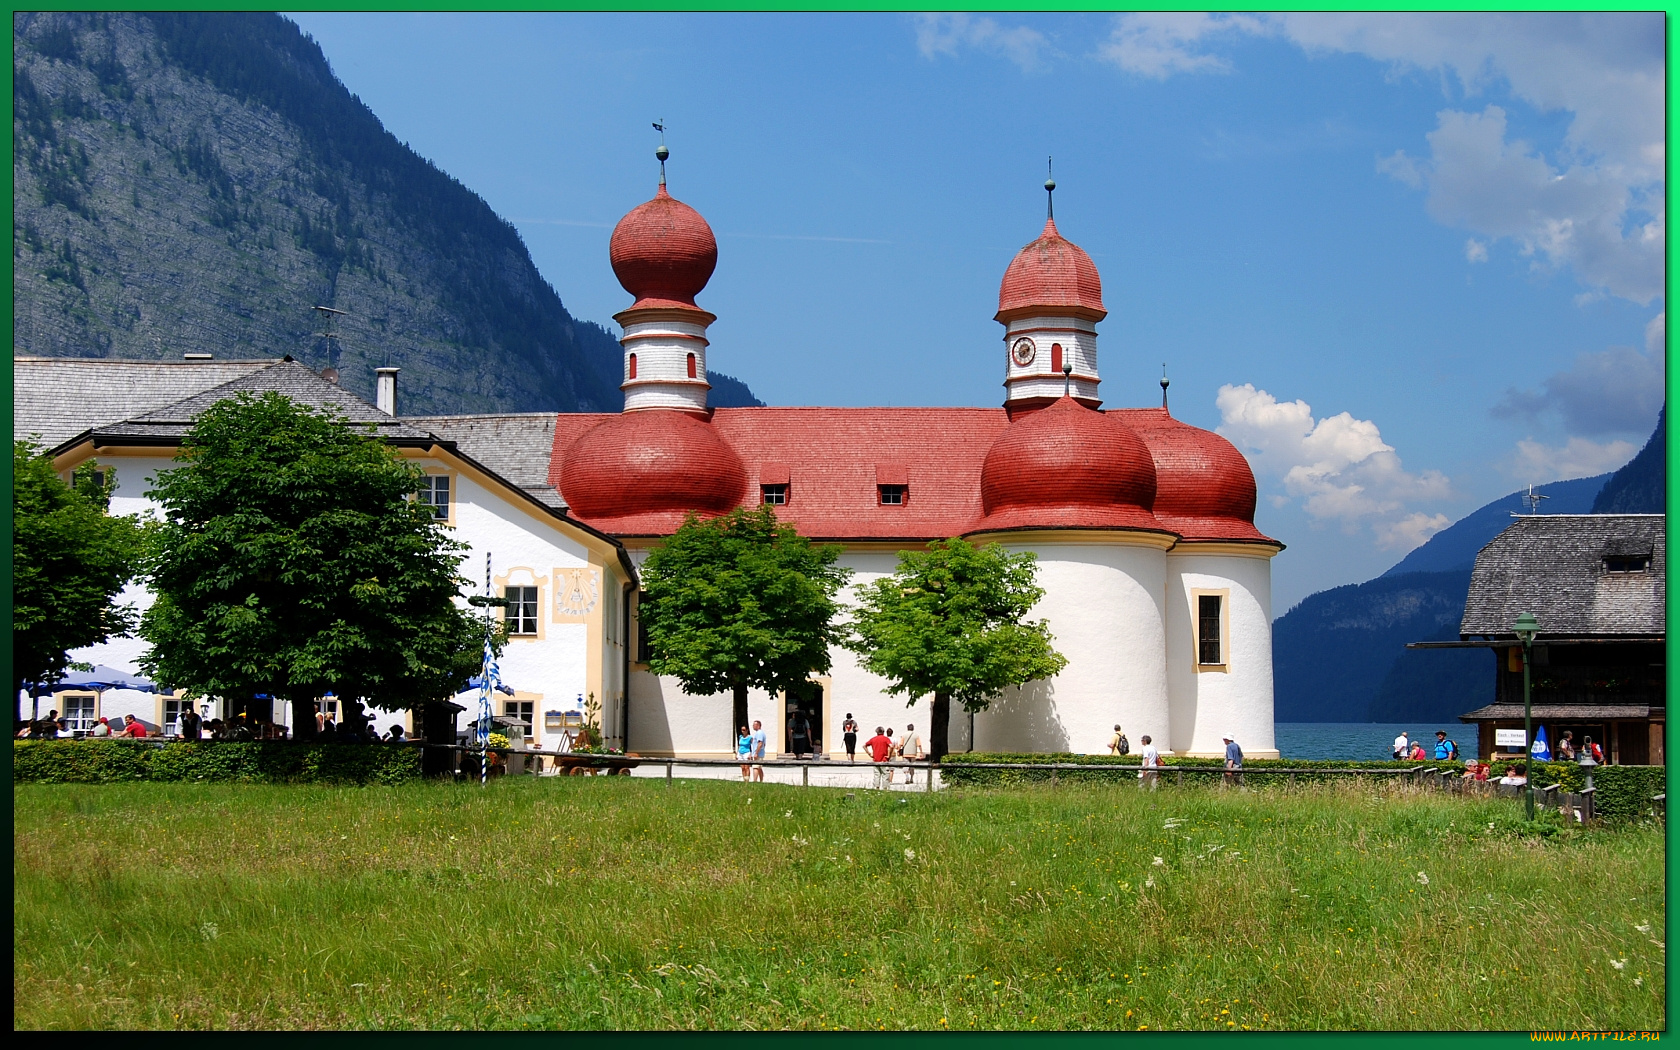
column 848, row 732
column 799, row 734
column 1118, row 744
column 1445, row 750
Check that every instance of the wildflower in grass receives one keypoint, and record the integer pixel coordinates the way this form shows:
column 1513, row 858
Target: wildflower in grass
column 209, row 931
column 1637, row 981
column 909, row 854
column 1643, row 928
column 1158, row 862
column 1618, row 963
column 1423, row 878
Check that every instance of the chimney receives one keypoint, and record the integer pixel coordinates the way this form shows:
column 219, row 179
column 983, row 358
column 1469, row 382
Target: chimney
column 385, row 390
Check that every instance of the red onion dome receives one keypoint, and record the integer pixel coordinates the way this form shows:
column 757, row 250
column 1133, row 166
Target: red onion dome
column 1064, row 466
column 663, row 250
column 1052, row 273
column 1204, row 488
column 648, row 462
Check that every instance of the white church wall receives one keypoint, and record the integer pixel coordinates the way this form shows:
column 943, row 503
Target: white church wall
column 1236, row 698
column 1104, row 603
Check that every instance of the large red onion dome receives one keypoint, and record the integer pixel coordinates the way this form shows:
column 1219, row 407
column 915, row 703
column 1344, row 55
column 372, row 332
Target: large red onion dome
column 663, row 251
column 1204, row 488
column 1051, row 273
column 640, row 472
column 1067, row 466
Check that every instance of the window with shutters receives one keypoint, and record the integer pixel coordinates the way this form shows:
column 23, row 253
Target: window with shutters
column 520, row 614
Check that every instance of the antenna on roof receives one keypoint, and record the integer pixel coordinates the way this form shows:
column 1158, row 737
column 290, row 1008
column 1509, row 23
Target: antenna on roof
column 1050, row 188
column 1533, row 499
column 662, row 153
column 328, row 317
column 1165, row 382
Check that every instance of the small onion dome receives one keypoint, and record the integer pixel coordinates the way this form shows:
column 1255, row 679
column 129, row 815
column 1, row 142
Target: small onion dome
column 640, row 472
column 1204, row 489
column 1067, row 466
column 1053, row 274
column 663, row 252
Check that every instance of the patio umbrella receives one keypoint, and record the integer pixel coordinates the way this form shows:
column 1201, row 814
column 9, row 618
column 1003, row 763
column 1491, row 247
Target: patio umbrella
column 99, row 679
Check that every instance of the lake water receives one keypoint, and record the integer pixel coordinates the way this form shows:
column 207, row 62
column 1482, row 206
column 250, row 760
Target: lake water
column 1367, row 741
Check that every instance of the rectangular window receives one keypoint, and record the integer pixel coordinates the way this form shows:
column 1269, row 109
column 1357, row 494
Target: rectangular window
column 328, row 706
column 1627, row 562
column 892, row 495
column 1208, row 629
column 524, row 711
column 172, row 712
column 434, row 493
column 521, row 612
column 78, row 712
column 775, row 495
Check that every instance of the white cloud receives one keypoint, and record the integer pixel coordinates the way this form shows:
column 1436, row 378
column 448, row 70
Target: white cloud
column 947, row 34
column 1339, row 467
column 1534, row 463
column 1475, row 251
column 1159, row 44
column 1410, row 532
column 1656, row 335
column 1595, row 206
column 1614, row 391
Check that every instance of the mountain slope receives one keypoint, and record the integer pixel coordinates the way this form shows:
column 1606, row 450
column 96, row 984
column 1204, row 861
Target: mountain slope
column 1640, row 487
column 1455, row 547
column 197, row 181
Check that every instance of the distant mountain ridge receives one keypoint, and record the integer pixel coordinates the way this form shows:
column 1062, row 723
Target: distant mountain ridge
column 1339, row 655
column 197, row 181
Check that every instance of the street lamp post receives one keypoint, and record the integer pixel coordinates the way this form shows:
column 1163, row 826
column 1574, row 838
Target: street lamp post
column 1526, row 628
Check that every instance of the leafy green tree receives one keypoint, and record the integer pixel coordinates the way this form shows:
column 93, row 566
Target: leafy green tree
column 293, row 561
column 950, row 621
column 739, row 601
column 69, row 560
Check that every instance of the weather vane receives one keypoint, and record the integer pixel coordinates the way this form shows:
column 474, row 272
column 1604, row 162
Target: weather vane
column 661, row 152
column 1050, row 186
column 1165, row 382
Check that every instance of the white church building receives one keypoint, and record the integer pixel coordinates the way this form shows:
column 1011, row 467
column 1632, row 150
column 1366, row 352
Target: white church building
column 1157, row 584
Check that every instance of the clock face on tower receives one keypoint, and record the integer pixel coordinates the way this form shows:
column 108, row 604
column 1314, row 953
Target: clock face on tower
column 1023, row 352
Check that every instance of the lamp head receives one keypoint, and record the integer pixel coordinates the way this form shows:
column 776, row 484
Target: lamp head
column 1526, row 628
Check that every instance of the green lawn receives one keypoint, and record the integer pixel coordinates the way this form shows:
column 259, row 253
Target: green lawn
column 628, row 903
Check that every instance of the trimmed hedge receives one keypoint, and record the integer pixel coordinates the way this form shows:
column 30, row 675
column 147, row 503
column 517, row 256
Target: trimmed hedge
column 1623, row 792
column 260, row 762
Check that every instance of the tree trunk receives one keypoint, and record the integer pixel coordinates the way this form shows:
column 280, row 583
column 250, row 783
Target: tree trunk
column 740, row 713
column 939, row 738
column 303, row 718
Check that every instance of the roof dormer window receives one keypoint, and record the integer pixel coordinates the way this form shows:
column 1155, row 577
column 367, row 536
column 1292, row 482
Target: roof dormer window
column 1626, row 563
column 774, row 495
column 892, row 495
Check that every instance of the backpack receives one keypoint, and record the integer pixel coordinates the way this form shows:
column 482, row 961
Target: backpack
column 1125, row 745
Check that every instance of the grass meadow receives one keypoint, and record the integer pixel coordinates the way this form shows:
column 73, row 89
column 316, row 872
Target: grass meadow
column 634, row 904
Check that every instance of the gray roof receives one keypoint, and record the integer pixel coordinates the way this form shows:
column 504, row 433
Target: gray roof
column 1553, row 565
column 166, row 424
column 56, row 398
column 1584, row 712
column 517, row 446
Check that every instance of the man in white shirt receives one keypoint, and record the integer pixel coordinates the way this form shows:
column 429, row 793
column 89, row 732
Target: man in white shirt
column 910, row 749
column 760, row 740
column 1150, row 776
column 1402, row 747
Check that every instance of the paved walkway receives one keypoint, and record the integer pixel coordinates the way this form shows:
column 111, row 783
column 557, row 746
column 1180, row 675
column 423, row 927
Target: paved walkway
column 831, row 774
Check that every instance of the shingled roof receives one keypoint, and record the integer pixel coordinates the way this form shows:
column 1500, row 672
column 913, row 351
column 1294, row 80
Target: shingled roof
column 57, row 398
column 515, row 445
column 165, row 425
column 1555, row 566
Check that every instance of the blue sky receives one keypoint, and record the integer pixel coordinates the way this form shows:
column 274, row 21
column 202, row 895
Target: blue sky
column 1406, row 262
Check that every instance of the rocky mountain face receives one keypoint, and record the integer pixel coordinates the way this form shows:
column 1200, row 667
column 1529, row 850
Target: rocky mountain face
column 1640, row 487
column 196, row 182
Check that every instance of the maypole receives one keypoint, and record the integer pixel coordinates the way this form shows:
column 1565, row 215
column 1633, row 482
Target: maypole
column 487, row 682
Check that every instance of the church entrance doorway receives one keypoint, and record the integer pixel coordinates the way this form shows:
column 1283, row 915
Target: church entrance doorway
column 804, row 720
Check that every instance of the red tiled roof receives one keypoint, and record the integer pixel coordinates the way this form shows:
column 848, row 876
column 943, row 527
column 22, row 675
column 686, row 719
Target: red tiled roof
column 1204, row 489
column 639, row 473
column 830, row 459
column 1051, row 272
column 663, row 252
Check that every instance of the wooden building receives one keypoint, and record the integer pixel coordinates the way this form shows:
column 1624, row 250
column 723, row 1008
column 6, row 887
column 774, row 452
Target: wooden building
column 1596, row 583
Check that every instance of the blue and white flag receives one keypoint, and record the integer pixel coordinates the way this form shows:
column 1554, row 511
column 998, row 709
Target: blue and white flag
column 490, row 677
column 1540, row 751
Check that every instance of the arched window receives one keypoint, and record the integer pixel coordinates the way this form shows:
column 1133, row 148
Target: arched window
column 693, row 373
column 1055, row 357
column 632, row 366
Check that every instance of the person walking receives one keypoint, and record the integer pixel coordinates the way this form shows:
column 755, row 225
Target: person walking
column 911, row 750
column 848, row 731
column 1566, row 747
column 191, row 725
column 1444, row 748
column 799, row 734
column 760, row 741
column 879, row 747
column 1402, row 747
column 1233, row 762
column 1118, row 744
column 1150, row 776
column 743, row 750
